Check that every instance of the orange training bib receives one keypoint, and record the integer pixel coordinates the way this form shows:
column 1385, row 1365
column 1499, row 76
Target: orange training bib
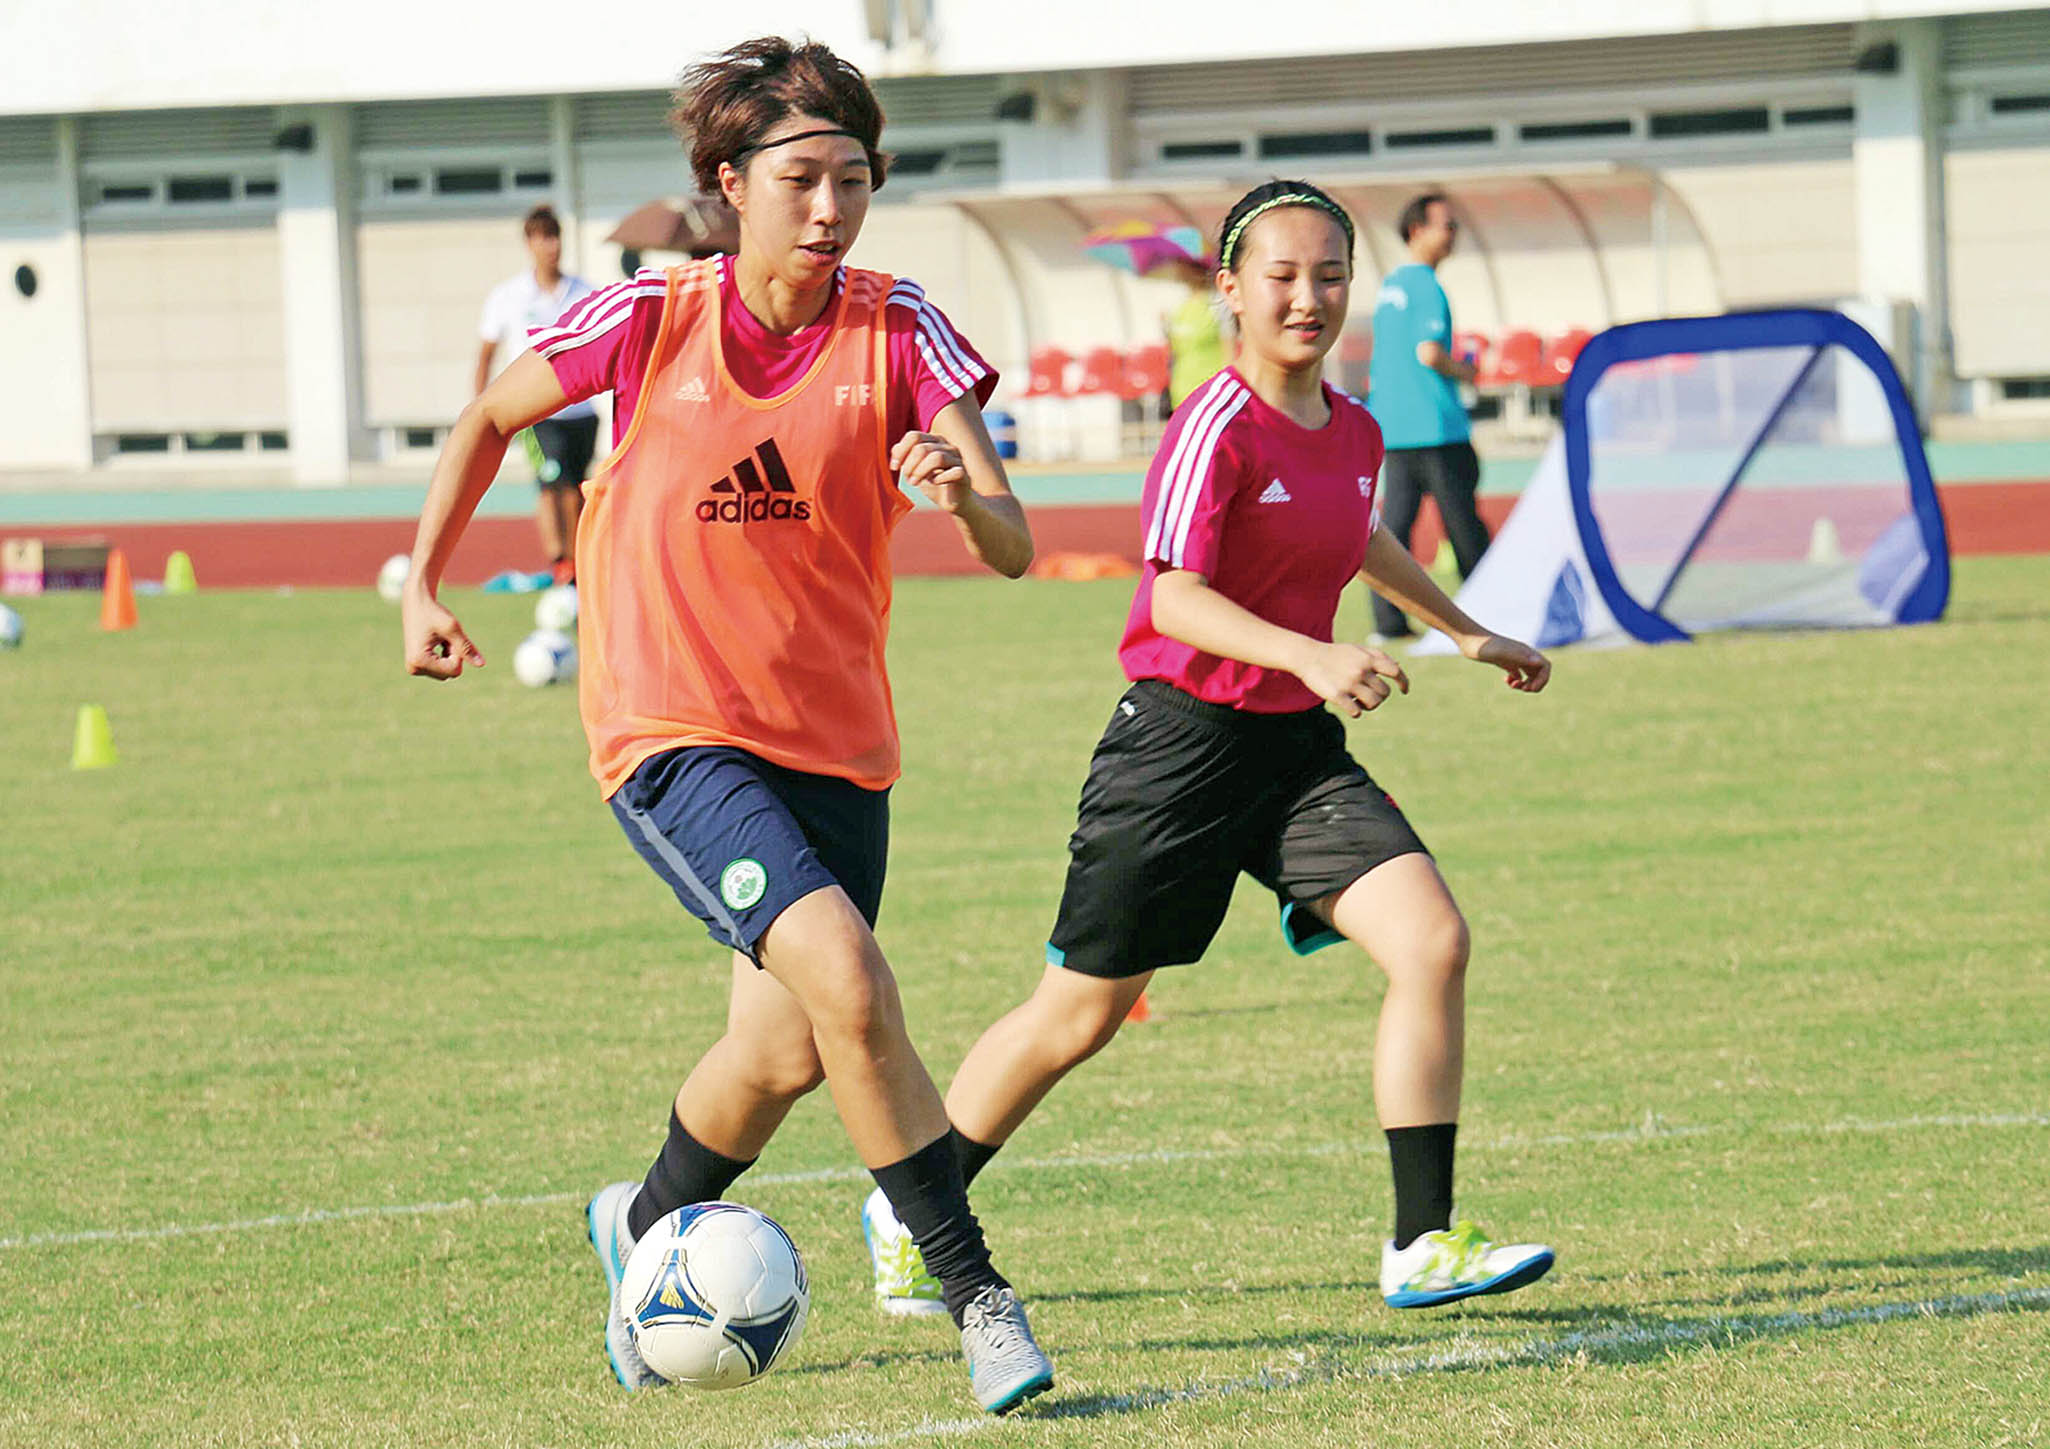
column 733, row 560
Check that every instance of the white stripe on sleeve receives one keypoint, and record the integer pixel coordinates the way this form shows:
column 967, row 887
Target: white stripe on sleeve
column 1199, row 408
column 1202, row 464
column 1195, row 453
column 592, row 323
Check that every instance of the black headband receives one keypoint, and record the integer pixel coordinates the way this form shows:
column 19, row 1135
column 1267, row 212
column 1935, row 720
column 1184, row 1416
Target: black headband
column 746, row 151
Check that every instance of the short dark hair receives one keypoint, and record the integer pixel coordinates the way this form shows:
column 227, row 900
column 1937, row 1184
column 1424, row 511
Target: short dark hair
column 1298, row 193
column 1417, row 214
column 725, row 105
column 541, row 221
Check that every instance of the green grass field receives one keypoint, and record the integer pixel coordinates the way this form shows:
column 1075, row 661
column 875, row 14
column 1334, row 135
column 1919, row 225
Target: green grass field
column 327, row 1007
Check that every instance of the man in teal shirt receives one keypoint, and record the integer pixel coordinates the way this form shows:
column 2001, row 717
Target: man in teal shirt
column 1413, row 392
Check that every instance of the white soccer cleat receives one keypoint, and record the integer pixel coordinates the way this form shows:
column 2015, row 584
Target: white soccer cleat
column 1006, row 1365
column 903, row 1286
column 605, row 1220
column 1457, row 1262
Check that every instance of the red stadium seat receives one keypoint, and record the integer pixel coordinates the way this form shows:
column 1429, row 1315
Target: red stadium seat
column 1561, row 351
column 1049, row 373
column 1519, row 359
column 1472, row 347
column 1145, row 373
column 1103, row 370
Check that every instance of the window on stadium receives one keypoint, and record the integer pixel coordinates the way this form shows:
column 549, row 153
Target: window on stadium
column 1575, row 130
column 1737, row 121
column 1454, row 136
column 1288, row 144
column 1200, row 150
column 1818, row 115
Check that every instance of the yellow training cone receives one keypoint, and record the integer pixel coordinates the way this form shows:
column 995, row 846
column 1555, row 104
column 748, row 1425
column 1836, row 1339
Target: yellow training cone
column 178, row 575
column 1445, row 565
column 92, row 747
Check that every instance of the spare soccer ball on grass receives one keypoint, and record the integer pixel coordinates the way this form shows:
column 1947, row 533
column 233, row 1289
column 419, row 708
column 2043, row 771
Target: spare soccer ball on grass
column 546, row 656
column 557, row 608
column 391, row 579
column 10, row 628
column 714, row 1295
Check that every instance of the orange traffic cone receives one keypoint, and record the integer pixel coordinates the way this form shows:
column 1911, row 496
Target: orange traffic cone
column 117, row 595
column 1141, row 1010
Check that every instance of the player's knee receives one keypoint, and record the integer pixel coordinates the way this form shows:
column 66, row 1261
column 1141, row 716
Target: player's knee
column 1081, row 1031
column 1446, row 946
column 857, row 1003
column 789, row 1072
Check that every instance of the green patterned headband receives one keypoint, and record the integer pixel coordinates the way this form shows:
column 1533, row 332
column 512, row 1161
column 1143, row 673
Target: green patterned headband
column 1287, row 198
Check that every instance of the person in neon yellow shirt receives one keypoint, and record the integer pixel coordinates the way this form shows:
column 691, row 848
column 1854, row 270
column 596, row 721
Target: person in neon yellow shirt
column 1196, row 347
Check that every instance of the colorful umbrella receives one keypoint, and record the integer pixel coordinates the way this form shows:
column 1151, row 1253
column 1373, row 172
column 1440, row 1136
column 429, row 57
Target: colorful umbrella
column 1140, row 247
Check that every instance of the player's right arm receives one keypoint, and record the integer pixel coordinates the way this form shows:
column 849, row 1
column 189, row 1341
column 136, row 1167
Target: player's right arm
column 1187, row 608
column 522, row 395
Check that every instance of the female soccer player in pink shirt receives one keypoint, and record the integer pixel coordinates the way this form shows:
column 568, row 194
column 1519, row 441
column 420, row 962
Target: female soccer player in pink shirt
column 734, row 569
column 1222, row 757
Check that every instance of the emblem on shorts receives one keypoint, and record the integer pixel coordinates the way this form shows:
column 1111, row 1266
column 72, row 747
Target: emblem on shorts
column 741, row 884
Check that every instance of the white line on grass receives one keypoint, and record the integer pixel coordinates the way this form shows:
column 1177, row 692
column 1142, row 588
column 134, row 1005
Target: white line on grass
column 1460, row 1357
column 1653, row 1129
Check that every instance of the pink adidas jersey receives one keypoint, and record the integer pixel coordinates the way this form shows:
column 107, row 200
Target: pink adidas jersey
column 1275, row 515
column 603, row 342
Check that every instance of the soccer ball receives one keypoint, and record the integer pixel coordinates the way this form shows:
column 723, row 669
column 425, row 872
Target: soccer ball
column 10, row 628
column 546, row 656
column 391, row 579
column 714, row 1295
column 557, row 609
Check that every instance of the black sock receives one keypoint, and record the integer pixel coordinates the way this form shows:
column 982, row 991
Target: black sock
column 972, row 1155
column 1422, row 1159
column 929, row 1198
column 687, row 1171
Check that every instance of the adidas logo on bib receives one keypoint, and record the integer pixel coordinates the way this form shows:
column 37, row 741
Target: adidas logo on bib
column 693, row 390
column 1275, row 493
column 751, row 494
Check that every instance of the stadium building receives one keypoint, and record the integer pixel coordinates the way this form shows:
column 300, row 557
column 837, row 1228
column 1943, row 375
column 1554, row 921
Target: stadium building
column 257, row 236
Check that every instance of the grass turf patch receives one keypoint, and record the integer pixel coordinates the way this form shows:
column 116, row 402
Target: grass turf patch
column 1755, row 1042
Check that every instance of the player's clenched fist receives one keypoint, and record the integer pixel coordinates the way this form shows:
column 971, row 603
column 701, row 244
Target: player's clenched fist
column 1352, row 678
column 436, row 645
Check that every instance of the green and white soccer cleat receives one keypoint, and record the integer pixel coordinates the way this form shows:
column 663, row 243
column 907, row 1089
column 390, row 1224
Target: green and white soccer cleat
column 605, row 1220
column 903, row 1287
column 1006, row 1365
column 1457, row 1262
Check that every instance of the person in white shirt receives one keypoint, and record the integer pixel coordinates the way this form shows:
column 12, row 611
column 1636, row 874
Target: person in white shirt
column 561, row 445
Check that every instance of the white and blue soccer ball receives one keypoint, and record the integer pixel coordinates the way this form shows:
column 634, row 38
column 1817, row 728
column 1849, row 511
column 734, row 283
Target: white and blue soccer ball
column 10, row 628
column 546, row 656
column 391, row 579
column 557, row 609
column 714, row 1295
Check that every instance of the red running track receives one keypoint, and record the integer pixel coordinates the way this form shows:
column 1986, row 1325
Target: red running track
column 1984, row 518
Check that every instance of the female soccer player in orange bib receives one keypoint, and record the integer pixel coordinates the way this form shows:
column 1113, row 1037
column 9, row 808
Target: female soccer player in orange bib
column 733, row 560
column 1222, row 758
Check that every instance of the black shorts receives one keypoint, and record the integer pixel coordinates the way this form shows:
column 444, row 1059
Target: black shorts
column 1182, row 796
column 566, row 447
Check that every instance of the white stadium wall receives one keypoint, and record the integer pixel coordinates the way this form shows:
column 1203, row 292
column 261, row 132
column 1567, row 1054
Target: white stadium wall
column 1999, row 204
column 1608, row 163
column 185, row 329
column 1781, row 231
column 45, row 420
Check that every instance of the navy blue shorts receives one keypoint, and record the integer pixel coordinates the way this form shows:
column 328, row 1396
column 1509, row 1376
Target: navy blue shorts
column 740, row 840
